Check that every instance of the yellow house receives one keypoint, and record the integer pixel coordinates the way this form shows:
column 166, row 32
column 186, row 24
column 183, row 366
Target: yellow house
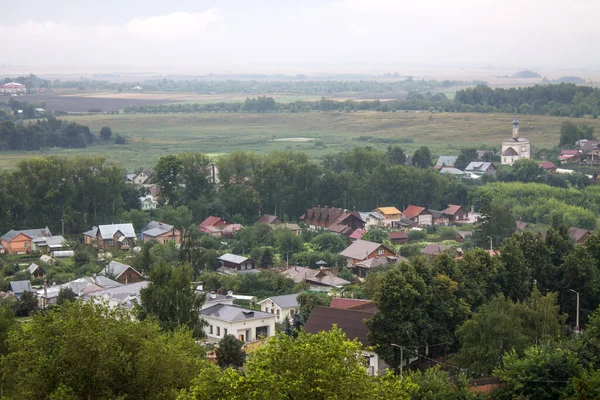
column 389, row 213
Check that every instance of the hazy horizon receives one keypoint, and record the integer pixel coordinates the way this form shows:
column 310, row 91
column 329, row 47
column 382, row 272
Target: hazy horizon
column 361, row 36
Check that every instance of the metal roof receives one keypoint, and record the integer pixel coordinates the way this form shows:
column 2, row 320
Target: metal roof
column 449, row 161
column 31, row 233
column 360, row 249
column 229, row 313
column 285, row 301
column 233, row 258
column 116, row 268
column 108, row 231
column 20, row 286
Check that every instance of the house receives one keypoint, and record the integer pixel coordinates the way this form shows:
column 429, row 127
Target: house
column 295, row 228
column 245, row 324
column 129, row 177
column 434, row 250
column 49, row 244
column 365, row 267
column 234, row 264
column 283, row 307
column 398, row 237
column 353, row 304
column 404, row 223
column 462, row 235
column 230, row 230
column 566, row 156
column 212, row 298
column 389, row 214
column 372, row 218
column 522, row 225
column 484, row 155
column 20, row 287
column 361, row 250
column 160, row 232
column 112, row 237
column 89, row 237
column 148, row 203
column 352, row 323
column 269, row 220
column 318, row 279
column 334, row 220
column 453, row 171
column 548, row 166
column 213, row 226
column 13, row 88
column 357, row 234
column 347, row 223
column 445, row 161
column 81, row 287
column 122, row 273
column 439, row 218
column 36, row 271
column 579, row 235
column 418, row 214
column 456, row 214
column 21, row 242
column 144, row 177
column 125, row 296
column 481, row 168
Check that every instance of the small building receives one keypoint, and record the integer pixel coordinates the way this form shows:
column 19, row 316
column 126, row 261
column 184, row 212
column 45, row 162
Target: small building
column 445, row 161
column 148, row 203
column 454, row 171
column 566, row 156
column 124, row 296
column 361, row 250
column 283, row 307
column 389, row 214
column 372, row 218
column 439, row 218
column 318, row 279
column 230, row 230
column 485, row 155
column 49, row 244
column 232, row 263
column 522, row 225
column 481, row 168
column 398, row 237
column 36, row 271
column 245, row 324
column 418, row 214
column 365, row 267
column 213, row 226
column 268, row 219
column 144, row 177
column 212, row 298
column 516, row 147
column 13, row 88
column 456, row 214
column 20, row 287
column 160, row 232
column 435, row 250
column 295, row 228
column 122, row 273
column 112, row 237
column 21, row 241
column 352, row 323
column 462, row 235
column 548, row 166
column 579, row 235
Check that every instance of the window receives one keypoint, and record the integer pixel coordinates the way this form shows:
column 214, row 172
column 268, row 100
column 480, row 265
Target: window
column 210, row 329
column 111, row 243
column 380, row 252
column 218, row 331
column 278, row 313
column 292, row 312
column 224, row 331
column 25, row 244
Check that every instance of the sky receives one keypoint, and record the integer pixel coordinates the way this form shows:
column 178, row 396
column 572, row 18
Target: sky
column 247, row 36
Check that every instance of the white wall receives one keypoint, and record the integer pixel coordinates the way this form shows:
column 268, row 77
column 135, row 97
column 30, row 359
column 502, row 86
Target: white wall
column 246, row 328
column 280, row 313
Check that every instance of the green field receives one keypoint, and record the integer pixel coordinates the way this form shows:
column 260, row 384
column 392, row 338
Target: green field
column 152, row 136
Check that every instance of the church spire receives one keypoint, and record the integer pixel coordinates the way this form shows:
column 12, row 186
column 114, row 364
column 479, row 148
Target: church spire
column 515, row 133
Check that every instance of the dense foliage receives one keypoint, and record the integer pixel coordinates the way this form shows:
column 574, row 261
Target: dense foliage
column 50, row 132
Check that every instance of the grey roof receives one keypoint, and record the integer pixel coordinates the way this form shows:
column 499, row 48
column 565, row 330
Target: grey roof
column 32, row 268
column 285, row 301
column 53, row 242
column 116, row 268
column 452, row 171
column 92, row 232
column 108, row 231
column 435, row 213
column 233, row 258
column 157, row 225
column 32, row 233
column 374, row 214
column 233, row 271
column 318, row 276
column 229, row 313
column 20, row 286
column 478, row 166
column 434, row 249
column 510, row 152
column 82, row 286
column 360, row 249
column 125, row 295
column 446, row 160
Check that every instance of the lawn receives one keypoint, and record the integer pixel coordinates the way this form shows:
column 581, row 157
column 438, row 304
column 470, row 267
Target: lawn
column 151, row 136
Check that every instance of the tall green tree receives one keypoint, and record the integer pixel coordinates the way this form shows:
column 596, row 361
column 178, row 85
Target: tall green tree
column 396, row 155
column 166, row 172
column 230, row 352
column 496, row 222
column 422, row 157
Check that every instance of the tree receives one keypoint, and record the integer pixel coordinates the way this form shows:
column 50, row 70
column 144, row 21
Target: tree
column 329, row 242
column 433, row 383
column 172, row 299
column 166, row 172
column 123, row 358
column 66, row 294
column 105, row 133
column 571, row 133
column 230, row 352
column 542, row 372
column 346, row 274
column 396, row 155
column 528, row 171
column 422, row 157
column 496, row 222
column 7, row 322
column 287, row 242
column 377, row 235
column 26, row 305
column 465, row 157
column 308, row 301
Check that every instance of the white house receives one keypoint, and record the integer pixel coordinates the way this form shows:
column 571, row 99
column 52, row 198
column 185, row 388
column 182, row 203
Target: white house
column 245, row 324
column 214, row 298
column 516, row 147
column 148, row 203
column 143, row 177
column 281, row 306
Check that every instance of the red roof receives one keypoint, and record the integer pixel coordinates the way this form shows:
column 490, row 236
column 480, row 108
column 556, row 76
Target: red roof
column 358, row 234
column 398, row 235
column 412, row 211
column 452, row 209
column 212, row 221
column 547, row 165
column 569, row 152
column 347, row 303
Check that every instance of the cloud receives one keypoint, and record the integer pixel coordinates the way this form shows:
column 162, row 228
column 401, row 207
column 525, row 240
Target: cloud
column 178, row 25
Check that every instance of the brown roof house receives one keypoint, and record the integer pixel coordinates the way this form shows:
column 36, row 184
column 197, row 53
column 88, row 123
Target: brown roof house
column 353, row 324
column 418, row 214
column 398, row 237
column 579, row 235
column 439, row 218
column 457, row 214
column 213, row 226
column 435, row 249
column 334, row 220
column 318, row 279
column 548, row 166
column 353, row 304
column 233, row 264
column 121, row 273
column 269, row 220
column 361, row 251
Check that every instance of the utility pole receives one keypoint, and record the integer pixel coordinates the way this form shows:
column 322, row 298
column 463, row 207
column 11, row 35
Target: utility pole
column 491, row 245
column 401, row 356
column 576, row 323
column 63, row 226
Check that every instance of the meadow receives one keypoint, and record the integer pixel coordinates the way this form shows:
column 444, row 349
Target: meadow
column 151, row 136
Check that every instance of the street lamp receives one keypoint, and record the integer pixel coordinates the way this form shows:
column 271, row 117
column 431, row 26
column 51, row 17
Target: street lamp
column 491, row 245
column 401, row 356
column 577, row 323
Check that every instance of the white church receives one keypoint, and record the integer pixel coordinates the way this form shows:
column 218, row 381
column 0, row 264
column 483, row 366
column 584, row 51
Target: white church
column 515, row 148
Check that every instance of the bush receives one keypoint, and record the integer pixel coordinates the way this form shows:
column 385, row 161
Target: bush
column 416, row 235
column 447, row 233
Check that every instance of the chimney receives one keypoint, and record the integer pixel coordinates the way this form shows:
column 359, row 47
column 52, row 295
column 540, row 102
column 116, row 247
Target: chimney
column 45, row 293
column 230, row 293
column 213, row 295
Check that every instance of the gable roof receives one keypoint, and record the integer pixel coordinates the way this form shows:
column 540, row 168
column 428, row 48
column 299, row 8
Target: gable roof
column 32, row 268
column 233, row 258
column 436, row 214
column 360, row 249
column 377, row 262
column 449, row 161
column 117, row 269
column 510, row 152
column 285, row 301
column 30, row 233
column 92, row 232
column 155, row 228
column 387, row 210
column 481, row 166
column 413, row 211
column 345, row 304
column 358, row 234
column 268, row 219
column 452, row 209
column 577, row 234
column 434, row 249
column 212, row 221
column 451, row 170
column 20, row 286
column 317, row 276
column 229, row 313
column 351, row 322
column 108, row 231
column 547, row 165
column 398, row 235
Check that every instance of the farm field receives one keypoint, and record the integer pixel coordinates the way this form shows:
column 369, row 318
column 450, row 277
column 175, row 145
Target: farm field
column 152, row 136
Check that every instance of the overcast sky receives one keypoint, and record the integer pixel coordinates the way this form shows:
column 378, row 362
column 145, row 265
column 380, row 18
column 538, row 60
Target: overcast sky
column 284, row 35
